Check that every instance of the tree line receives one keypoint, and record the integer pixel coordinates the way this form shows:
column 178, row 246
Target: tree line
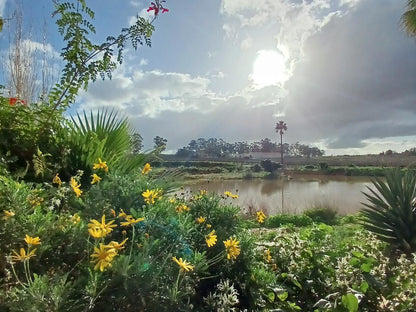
column 214, row 147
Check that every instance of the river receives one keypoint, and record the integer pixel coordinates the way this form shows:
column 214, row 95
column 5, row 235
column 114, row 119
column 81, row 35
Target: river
column 292, row 195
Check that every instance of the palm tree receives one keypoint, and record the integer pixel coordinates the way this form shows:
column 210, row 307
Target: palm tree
column 408, row 19
column 280, row 126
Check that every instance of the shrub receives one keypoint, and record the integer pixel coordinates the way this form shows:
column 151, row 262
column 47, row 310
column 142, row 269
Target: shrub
column 270, row 166
column 325, row 215
column 285, row 219
column 323, row 165
column 390, row 210
column 256, row 168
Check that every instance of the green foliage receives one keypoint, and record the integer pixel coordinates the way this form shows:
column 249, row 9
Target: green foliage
column 21, row 138
column 390, row 210
column 104, row 136
column 325, row 215
column 270, row 166
column 286, row 219
column 85, row 60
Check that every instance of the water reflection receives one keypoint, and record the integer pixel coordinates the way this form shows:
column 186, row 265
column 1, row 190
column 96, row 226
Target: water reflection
column 294, row 195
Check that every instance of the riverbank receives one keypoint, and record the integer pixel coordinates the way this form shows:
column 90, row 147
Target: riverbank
column 213, row 170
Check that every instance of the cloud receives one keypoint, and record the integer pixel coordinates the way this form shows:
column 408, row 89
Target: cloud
column 150, row 93
column 180, row 107
column 2, row 6
column 357, row 83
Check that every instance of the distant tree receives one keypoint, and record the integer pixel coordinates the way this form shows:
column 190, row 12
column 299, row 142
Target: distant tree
column 160, row 143
column 408, row 19
column 267, row 145
column 270, row 166
column 241, row 147
column 136, row 142
column 193, row 146
column 255, row 147
column 185, row 152
column 280, row 126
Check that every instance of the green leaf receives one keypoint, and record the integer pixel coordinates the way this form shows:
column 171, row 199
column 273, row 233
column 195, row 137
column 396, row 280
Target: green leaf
column 283, row 296
column 366, row 267
column 350, row 302
column 271, row 296
column 354, row 262
column 364, row 287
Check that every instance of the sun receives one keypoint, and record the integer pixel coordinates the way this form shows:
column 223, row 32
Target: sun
column 269, row 69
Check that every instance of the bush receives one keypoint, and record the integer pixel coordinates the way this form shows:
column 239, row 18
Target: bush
column 256, row 168
column 325, row 215
column 122, row 243
column 270, row 166
column 285, row 219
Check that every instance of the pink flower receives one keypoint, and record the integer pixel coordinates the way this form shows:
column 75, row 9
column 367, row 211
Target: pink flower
column 157, row 6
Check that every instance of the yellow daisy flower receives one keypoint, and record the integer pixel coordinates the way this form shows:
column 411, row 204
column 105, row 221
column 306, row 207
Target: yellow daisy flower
column 146, row 168
column 260, row 216
column 183, row 265
column 150, row 196
column 101, row 165
column 32, row 240
column 95, row 179
column 130, row 221
column 103, row 257
column 23, row 256
column 115, row 245
column 211, row 239
column 200, row 220
column 229, row 194
column 181, row 208
column 57, row 180
column 98, row 230
column 75, row 187
column 232, row 248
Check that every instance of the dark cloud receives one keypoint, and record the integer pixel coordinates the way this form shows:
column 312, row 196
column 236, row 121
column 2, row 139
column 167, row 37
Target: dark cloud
column 357, row 81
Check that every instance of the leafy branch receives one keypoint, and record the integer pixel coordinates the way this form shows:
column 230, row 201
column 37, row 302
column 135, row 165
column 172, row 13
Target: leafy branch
column 85, row 61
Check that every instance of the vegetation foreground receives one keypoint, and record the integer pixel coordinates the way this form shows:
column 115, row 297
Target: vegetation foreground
column 126, row 242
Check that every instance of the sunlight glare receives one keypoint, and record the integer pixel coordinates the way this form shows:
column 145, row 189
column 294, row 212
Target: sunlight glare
column 268, row 69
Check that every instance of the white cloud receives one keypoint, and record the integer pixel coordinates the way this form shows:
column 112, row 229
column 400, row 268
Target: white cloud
column 150, row 93
column 2, row 6
column 143, row 62
column 246, row 43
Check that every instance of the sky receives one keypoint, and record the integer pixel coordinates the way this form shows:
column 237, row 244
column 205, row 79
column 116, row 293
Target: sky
column 340, row 73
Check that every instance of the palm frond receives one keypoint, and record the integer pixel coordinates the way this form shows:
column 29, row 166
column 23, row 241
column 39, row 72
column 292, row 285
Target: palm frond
column 390, row 209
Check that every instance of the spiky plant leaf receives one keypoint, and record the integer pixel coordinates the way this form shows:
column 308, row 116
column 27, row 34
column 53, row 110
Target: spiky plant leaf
column 390, row 209
column 106, row 136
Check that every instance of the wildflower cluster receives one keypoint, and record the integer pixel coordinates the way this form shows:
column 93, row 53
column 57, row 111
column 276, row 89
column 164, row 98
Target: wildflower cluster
column 231, row 195
column 150, row 195
column 260, row 216
column 24, row 255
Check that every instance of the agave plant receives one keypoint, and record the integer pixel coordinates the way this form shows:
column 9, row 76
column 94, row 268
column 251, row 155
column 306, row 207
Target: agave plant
column 390, row 210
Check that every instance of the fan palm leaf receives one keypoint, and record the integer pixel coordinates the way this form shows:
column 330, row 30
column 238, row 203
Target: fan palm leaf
column 390, row 209
column 106, row 136
column 408, row 19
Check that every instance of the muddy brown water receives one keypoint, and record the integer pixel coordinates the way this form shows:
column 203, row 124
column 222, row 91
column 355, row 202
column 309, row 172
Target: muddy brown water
column 292, row 195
